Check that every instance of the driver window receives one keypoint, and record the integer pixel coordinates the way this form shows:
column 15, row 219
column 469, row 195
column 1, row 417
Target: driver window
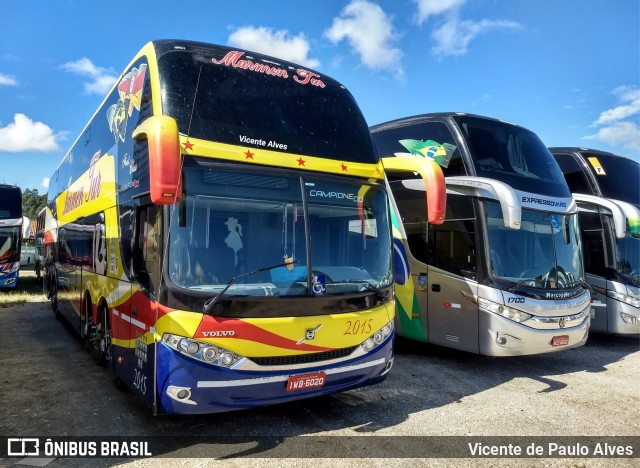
column 147, row 266
column 452, row 244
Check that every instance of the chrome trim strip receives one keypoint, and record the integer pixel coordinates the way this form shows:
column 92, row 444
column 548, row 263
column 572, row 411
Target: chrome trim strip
column 282, row 378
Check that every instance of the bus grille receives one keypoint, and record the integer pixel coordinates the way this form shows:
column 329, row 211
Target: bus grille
column 303, row 358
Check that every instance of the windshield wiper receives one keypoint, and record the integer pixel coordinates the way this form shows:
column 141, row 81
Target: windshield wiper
column 516, row 286
column 380, row 295
column 209, row 303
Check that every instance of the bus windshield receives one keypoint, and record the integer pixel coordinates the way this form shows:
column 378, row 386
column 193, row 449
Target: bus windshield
column 320, row 235
column 513, row 155
column 628, row 258
column 9, row 238
column 544, row 253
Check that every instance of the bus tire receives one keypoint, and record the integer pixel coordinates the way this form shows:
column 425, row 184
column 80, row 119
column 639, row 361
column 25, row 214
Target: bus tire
column 85, row 326
column 101, row 339
column 54, row 305
column 53, row 294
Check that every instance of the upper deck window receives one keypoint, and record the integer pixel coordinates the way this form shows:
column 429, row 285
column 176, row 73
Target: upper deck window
column 573, row 174
column 513, row 155
column 388, row 142
column 612, row 170
column 270, row 107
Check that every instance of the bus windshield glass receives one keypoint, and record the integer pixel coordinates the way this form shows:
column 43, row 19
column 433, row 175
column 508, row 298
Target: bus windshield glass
column 250, row 100
column 10, row 202
column 607, row 170
column 544, row 253
column 309, row 235
column 628, row 258
column 9, row 238
column 513, row 155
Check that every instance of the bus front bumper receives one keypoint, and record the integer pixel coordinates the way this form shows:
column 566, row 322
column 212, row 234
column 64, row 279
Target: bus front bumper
column 189, row 387
column 503, row 337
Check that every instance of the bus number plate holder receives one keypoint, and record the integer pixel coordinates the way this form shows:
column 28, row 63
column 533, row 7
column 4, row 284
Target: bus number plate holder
column 561, row 340
column 306, row 381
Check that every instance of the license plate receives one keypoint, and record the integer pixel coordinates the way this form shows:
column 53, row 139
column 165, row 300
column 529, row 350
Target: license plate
column 561, row 340
column 303, row 382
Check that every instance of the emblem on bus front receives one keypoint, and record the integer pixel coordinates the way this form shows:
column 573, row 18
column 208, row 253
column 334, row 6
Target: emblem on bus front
column 309, row 334
column 562, row 322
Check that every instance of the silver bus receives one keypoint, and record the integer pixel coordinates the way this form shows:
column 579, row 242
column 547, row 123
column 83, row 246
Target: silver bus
column 503, row 275
column 607, row 190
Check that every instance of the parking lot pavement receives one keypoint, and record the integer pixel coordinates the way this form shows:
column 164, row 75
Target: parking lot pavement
column 51, row 387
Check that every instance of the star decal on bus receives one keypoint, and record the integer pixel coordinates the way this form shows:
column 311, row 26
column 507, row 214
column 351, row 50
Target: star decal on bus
column 301, row 162
column 249, row 154
column 188, row 145
column 344, row 168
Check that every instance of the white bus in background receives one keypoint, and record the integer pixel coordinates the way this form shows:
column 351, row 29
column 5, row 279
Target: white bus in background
column 607, row 189
column 503, row 275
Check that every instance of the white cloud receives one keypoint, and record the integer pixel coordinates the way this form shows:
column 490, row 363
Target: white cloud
column 45, row 183
column 427, row 8
column 7, row 80
column 454, row 36
column 102, row 78
column 631, row 99
column 614, row 129
column 23, row 134
column 276, row 43
column 624, row 134
column 370, row 33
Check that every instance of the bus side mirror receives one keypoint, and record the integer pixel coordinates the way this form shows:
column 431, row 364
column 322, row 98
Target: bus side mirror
column 434, row 182
column 165, row 160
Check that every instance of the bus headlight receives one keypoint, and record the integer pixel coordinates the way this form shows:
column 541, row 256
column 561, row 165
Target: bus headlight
column 507, row 312
column 631, row 319
column 200, row 351
column 12, row 269
column 377, row 338
column 626, row 298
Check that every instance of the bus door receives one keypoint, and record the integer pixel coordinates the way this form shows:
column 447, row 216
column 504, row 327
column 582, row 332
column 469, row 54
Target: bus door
column 140, row 370
column 452, row 278
column 596, row 249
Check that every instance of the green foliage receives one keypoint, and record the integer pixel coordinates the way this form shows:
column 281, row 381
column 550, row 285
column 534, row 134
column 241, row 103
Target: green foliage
column 32, row 203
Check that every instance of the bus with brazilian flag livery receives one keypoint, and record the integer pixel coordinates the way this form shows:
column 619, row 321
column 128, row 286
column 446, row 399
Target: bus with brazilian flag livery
column 219, row 233
column 503, row 274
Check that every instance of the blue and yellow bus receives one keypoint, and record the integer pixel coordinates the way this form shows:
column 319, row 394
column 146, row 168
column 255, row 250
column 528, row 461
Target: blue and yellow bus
column 219, row 232
column 10, row 235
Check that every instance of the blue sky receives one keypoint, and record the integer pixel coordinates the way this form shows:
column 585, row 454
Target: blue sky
column 567, row 69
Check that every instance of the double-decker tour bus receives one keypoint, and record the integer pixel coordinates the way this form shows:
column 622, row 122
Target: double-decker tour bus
column 503, row 275
column 607, row 190
column 10, row 235
column 219, row 233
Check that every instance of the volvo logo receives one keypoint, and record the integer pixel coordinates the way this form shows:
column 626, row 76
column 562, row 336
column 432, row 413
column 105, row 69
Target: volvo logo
column 562, row 322
column 309, row 334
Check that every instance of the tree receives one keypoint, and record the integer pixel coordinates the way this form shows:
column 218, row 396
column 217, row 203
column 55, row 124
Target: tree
column 32, row 203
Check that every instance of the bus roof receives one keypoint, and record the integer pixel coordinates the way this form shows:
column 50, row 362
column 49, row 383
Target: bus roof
column 431, row 116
